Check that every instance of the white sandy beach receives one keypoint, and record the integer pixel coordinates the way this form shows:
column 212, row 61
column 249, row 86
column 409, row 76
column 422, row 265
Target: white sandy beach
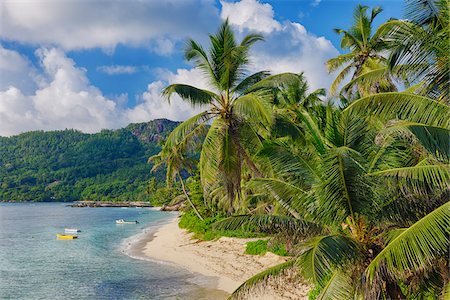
column 223, row 259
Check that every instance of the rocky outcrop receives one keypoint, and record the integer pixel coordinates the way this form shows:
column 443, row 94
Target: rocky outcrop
column 153, row 131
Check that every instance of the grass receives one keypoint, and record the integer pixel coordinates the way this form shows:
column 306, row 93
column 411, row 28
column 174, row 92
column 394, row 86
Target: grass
column 261, row 247
column 203, row 229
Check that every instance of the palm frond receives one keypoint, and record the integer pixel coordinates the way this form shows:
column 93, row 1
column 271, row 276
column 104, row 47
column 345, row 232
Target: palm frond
column 335, row 63
column 402, row 106
column 268, row 224
column 255, row 107
column 338, row 287
column 249, row 81
column 195, row 96
column 435, row 139
column 338, row 80
column 340, row 195
column 276, row 81
column 420, row 177
column 195, row 51
column 261, row 277
column 322, row 255
column 289, row 164
column 417, row 246
column 292, row 198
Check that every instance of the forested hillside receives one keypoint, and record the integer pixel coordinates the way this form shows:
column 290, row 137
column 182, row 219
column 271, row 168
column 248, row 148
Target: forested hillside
column 70, row 165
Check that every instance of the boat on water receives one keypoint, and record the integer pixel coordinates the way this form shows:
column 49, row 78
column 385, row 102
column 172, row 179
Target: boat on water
column 65, row 236
column 122, row 221
column 71, row 230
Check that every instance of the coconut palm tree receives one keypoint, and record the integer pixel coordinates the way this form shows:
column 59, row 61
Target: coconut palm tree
column 235, row 118
column 365, row 61
column 175, row 162
column 420, row 46
column 371, row 199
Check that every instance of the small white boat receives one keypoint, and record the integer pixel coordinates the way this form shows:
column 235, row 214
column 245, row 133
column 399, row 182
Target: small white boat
column 71, row 230
column 122, row 221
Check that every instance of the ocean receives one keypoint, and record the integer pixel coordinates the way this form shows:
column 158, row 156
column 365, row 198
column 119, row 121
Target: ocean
column 35, row 265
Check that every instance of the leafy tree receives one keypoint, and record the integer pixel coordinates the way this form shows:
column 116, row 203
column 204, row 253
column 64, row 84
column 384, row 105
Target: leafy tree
column 370, row 199
column 420, row 45
column 238, row 114
column 365, row 61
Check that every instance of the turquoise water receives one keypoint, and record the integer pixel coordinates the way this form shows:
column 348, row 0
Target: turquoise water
column 34, row 265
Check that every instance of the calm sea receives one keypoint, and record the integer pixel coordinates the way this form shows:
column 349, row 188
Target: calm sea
column 34, row 265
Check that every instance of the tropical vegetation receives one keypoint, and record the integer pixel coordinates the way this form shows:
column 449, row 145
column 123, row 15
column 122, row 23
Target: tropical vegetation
column 355, row 186
column 69, row 165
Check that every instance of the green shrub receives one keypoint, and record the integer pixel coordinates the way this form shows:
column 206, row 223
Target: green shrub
column 258, row 247
column 204, row 230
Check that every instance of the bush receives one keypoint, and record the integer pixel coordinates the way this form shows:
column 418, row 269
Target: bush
column 203, row 230
column 260, row 247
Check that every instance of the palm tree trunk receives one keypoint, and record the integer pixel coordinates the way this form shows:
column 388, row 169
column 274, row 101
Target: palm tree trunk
column 187, row 197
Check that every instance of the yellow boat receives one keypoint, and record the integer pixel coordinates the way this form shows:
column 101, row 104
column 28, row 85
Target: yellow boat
column 65, row 236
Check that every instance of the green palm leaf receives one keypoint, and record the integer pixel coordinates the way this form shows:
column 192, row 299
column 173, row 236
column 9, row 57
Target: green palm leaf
column 195, row 96
column 250, row 81
column 322, row 255
column 417, row 246
column 420, row 176
column 403, row 106
column 292, row 198
column 261, row 277
column 435, row 139
column 338, row 287
column 255, row 107
column 269, row 224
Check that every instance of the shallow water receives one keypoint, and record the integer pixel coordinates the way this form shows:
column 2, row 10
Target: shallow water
column 34, row 265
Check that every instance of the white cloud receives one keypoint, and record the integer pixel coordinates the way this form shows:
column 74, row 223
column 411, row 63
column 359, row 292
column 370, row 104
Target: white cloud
column 250, row 14
column 65, row 99
column 315, row 2
column 60, row 95
column 117, row 69
column 87, row 24
column 288, row 47
column 15, row 69
column 154, row 106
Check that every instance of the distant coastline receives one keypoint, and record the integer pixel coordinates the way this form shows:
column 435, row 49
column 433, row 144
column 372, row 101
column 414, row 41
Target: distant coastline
column 110, row 204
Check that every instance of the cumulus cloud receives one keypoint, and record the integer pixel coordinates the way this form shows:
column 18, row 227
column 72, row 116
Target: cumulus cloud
column 16, row 69
column 105, row 24
column 250, row 14
column 288, row 47
column 57, row 94
column 153, row 106
column 315, row 2
column 64, row 99
column 117, row 69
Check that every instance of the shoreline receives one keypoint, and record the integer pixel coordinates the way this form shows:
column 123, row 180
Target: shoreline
column 219, row 264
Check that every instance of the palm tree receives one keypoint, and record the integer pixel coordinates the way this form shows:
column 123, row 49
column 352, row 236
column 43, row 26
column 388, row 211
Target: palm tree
column 371, row 199
column 365, row 61
column 175, row 162
column 235, row 117
column 420, row 46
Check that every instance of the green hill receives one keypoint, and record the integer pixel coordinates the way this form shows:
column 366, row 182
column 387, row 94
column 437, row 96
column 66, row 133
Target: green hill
column 70, row 165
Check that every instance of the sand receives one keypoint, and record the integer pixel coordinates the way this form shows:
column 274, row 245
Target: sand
column 223, row 259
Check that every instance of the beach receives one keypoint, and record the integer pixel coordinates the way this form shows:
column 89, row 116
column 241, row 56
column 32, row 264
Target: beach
column 222, row 260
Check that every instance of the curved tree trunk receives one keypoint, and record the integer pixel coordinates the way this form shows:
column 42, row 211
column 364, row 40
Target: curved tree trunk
column 187, row 197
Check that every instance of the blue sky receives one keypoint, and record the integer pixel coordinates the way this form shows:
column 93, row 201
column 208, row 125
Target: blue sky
column 91, row 65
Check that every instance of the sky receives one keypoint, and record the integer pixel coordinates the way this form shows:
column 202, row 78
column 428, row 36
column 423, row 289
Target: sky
column 102, row 64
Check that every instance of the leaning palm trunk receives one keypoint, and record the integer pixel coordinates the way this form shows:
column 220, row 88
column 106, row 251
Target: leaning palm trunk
column 188, row 198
